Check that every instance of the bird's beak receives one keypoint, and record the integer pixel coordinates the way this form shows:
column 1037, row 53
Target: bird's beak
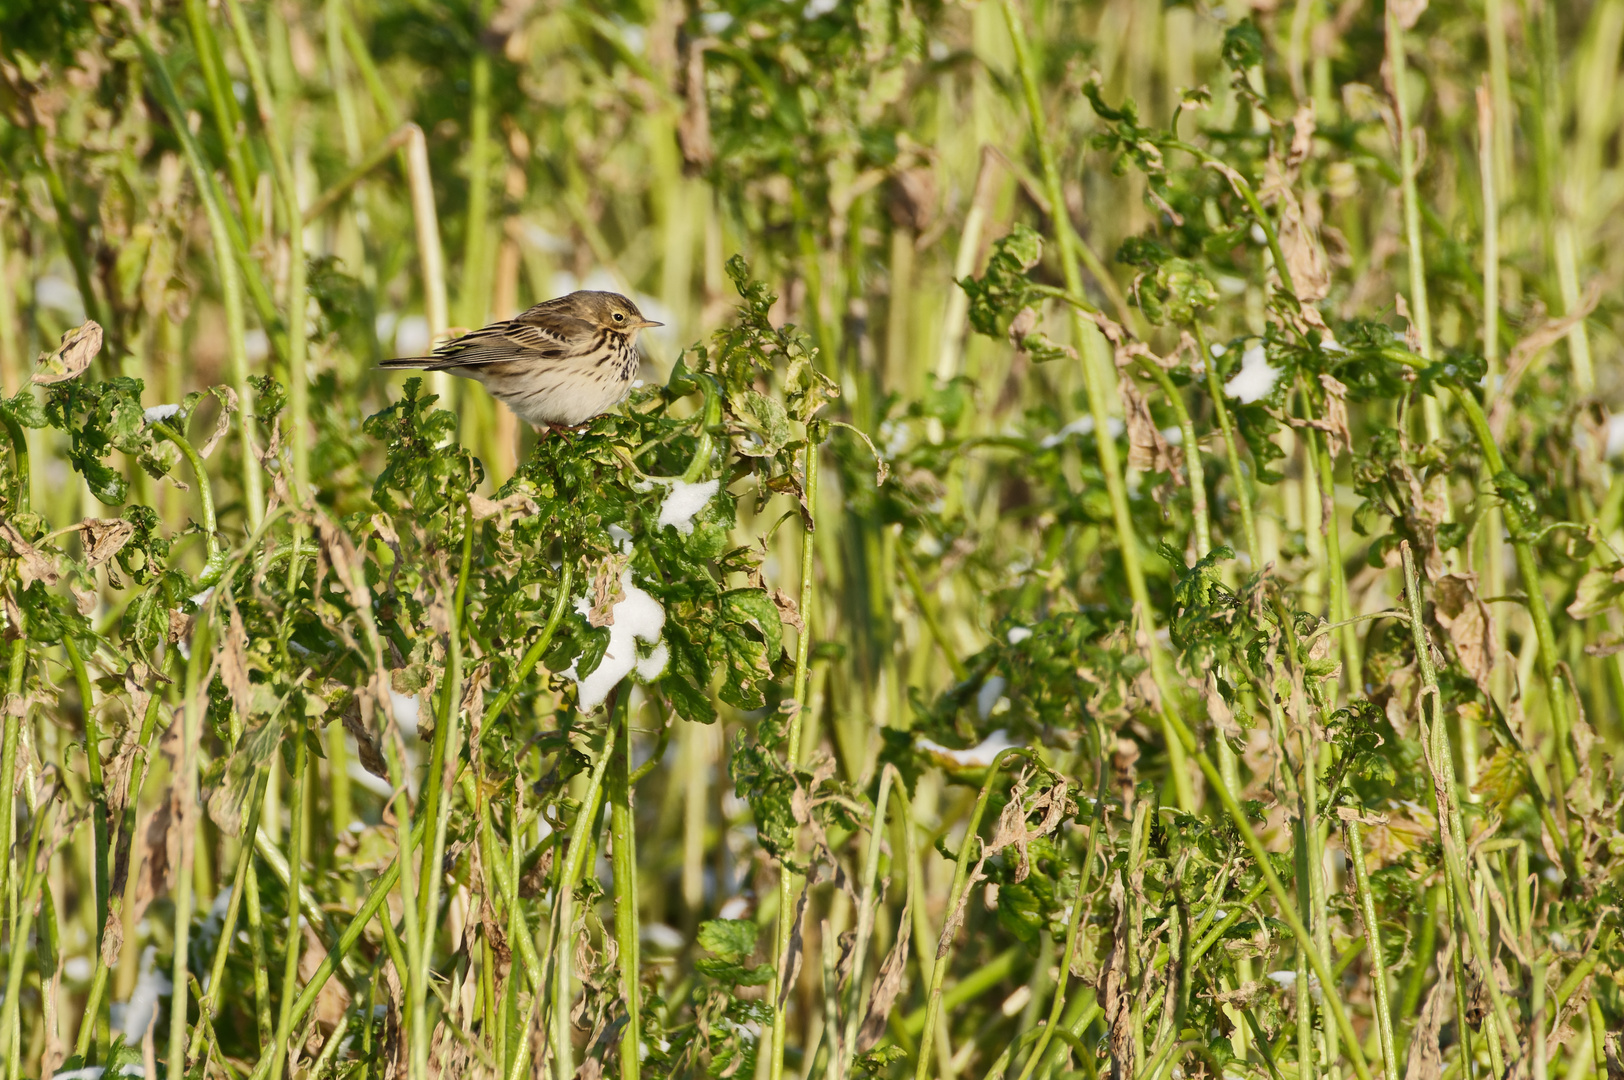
column 646, row 323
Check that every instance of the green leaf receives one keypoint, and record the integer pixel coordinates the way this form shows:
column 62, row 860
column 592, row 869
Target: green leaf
column 730, row 939
column 1598, row 590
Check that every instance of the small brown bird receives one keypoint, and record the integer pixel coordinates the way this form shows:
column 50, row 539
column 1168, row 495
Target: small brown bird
column 559, row 364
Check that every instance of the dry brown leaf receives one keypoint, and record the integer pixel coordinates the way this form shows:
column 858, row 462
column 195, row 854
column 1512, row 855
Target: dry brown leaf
column 887, row 984
column 790, row 968
column 1425, row 1060
column 228, row 405
column 69, row 359
column 102, row 538
column 515, row 505
column 372, row 759
column 1218, row 710
column 1469, row 622
column 1148, row 448
column 233, row 660
column 32, row 564
column 788, row 611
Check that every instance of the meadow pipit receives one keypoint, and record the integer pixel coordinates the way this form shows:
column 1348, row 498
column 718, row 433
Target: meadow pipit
column 559, row 364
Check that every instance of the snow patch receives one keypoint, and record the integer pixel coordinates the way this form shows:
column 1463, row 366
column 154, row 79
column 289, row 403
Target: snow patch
column 151, row 985
column 987, row 697
column 684, row 501
column 1255, row 378
column 159, row 413
column 979, row 756
column 639, row 617
column 1018, row 634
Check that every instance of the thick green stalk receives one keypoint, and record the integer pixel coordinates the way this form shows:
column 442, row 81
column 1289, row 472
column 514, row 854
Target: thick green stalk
column 298, row 297
column 20, row 494
column 1287, row 909
column 295, row 937
column 223, row 109
column 21, row 935
column 787, row 879
column 225, row 264
column 475, row 292
column 1451, row 831
column 955, row 897
column 1096, row 361
column 1378, row 963
column 1550, row 660
column 435, row 809
column 98, row 789
column 1197, row 474
column 191, row 721
column 1420, row 310
column 623, row 833
column 1232, row 450
column 8, row 749
column 865, row 921
column 564, row 903
column 209, row 1004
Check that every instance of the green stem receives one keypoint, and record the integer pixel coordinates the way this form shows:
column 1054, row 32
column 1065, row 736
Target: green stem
column 955, row 896
column 927, row 609
column 1096, row 361
column 1451, row 830
column 1197, row 474
column 209, row 1004
column 1243, row 487
column 214, row 569
column 1378, row 962
column 1319, row 455
column 191, row 721
column 865, row 920
column 787, row 879
column 21, row 934
column 1550, row 661
column 223, row 108
column 98, row 788
column 623, row 853
column 574, row 860
column 20, row 494
column 8, row 749
column 1287, row 909
column 295, row 938
column 226, row 265
column 298, row 296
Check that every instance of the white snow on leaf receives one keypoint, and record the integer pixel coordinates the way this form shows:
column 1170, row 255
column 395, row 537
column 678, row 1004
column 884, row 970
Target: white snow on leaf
column 1255, row 378
column 159, row 413
column 639, row 617
column 684, row 501
column 1083, row 425
column 1615, row 436
column 987, row 697
column 1018, row 634
column 151, row 985
column 406, row 709
column 979, row 756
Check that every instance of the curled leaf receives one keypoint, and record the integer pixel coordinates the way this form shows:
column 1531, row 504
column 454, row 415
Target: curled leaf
column 104, row 537
column 69, row 359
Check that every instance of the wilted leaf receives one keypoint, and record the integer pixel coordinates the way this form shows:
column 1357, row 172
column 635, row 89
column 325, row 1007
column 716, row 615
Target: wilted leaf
column 69, row 359
column 1597, row 591
column 103, row 538
column 887, row 983
column 32, row 564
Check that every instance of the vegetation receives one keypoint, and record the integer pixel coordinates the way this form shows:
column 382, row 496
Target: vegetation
column 1115, row 565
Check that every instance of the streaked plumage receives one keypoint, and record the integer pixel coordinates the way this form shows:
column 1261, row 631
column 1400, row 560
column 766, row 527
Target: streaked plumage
column 559, row 364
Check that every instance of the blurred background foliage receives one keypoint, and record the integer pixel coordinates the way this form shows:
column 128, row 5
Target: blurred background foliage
column 1357, row 267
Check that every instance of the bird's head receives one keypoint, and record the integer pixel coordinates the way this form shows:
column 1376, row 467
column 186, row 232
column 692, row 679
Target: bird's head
column 611, row 311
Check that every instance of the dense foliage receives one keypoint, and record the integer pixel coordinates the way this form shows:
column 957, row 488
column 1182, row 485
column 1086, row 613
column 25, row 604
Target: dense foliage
column 1115, row 565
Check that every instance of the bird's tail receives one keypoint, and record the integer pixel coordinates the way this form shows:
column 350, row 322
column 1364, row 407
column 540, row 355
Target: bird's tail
column 419, row 363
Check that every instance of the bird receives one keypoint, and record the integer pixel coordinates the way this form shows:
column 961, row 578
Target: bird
column 556, row 365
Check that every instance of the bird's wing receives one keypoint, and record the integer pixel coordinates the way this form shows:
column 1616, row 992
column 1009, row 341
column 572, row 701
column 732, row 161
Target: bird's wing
column 527, row 338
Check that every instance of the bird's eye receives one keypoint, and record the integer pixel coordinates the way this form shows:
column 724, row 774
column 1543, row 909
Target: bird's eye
column 619, row 317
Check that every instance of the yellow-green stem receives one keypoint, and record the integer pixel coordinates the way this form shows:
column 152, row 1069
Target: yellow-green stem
column 1096, row 361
